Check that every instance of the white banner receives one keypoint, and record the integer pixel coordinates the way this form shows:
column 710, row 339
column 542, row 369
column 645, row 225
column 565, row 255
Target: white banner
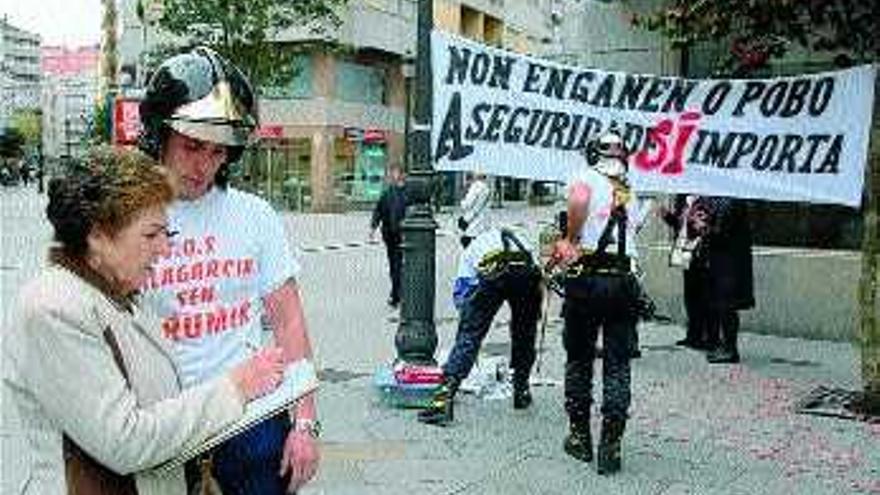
column 799, row 138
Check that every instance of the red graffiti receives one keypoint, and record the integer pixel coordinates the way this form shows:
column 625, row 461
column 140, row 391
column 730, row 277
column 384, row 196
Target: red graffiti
column 666, row 143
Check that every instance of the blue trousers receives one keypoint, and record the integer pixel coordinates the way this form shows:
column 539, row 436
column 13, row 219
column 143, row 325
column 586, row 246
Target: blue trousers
column 521, row 290
column 248, row 464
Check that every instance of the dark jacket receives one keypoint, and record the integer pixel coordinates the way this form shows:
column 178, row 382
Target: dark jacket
column 725, row 252
column 390, row 210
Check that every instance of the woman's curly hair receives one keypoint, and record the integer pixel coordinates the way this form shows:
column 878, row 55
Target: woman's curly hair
column 107, row 191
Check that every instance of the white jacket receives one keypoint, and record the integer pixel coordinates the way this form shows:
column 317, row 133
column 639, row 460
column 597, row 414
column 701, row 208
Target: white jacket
column 59, row 376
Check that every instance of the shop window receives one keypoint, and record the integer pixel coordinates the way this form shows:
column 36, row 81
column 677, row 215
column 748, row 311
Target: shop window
column 359, row 170
column 360, row 83
column 299, row 83
column 279, row 171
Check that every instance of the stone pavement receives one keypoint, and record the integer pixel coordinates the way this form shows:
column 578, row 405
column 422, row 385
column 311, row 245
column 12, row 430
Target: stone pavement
column 695, row 428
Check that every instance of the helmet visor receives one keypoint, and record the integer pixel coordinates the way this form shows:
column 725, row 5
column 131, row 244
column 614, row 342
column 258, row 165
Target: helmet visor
column 228, row 133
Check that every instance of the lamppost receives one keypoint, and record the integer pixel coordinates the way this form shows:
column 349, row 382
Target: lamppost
column 416, row 338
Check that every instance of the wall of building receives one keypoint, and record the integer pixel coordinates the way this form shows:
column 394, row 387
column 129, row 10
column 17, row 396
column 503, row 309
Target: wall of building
column 20, row 69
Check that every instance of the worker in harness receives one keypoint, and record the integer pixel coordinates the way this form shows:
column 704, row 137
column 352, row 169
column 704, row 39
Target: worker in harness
column 495, row 266
column 601, row 292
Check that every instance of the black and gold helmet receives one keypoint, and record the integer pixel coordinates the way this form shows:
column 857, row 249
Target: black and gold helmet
column 201, row 95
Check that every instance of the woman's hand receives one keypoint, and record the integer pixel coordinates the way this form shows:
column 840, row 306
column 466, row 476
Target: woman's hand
column 260, row 374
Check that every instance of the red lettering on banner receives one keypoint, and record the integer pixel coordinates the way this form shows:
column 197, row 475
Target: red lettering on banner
column 189, row 273
column 246, row 267
column 167, row 277
column 171, row 328
column 197, row 325
column 213, row 268
column 228, row 268
column 217, row 321
column 667, row 145
column 210, row 242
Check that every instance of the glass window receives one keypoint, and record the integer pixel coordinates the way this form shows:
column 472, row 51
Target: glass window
column 299, row 84
column 360, row 83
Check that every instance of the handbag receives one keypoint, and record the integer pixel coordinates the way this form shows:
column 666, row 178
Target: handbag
column 85, row 475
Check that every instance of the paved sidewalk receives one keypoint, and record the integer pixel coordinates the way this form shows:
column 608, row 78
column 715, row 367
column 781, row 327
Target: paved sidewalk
column 695, row 428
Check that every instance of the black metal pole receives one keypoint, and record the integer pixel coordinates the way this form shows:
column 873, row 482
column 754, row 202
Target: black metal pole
column 416, row 338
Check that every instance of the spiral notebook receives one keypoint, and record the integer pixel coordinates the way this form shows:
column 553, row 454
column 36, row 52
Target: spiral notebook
column 299, row 379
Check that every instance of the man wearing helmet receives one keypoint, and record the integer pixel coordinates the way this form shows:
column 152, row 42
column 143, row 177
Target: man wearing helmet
column 495, row 266
column 231, row 269
column 600, row 292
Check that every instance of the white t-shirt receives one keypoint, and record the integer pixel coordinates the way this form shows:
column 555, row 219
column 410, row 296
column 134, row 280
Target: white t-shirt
column 485, row 243
column 600, row 206
column 231, row 250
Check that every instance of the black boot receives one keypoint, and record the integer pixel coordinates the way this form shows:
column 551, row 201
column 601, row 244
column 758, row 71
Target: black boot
column 522, row 396
column 440, row 411
column 579, row 442
column 608, row 455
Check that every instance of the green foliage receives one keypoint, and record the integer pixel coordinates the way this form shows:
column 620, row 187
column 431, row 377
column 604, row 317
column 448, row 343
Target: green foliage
column 99, row 130
column 242, row 30
column 29, row 125
column 11, row 143
column 760, row 30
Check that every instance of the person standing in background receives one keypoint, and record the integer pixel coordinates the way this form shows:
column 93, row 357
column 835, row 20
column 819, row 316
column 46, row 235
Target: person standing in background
column 388, row 214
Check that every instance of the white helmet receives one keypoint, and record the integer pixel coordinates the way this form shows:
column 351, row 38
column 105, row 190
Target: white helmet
column 608, row 155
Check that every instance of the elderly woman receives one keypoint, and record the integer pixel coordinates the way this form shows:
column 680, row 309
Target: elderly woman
column 91, row 399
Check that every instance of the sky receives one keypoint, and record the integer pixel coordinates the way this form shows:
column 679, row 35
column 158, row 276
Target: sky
column 60, row 22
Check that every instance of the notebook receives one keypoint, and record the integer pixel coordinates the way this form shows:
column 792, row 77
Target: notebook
column 299, row 379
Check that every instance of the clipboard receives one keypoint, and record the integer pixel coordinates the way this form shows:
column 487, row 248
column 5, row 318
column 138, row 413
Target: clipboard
column 300, row 378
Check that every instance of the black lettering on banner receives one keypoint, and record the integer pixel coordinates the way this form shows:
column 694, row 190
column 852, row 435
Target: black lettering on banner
column 698, row 147
column 774, row 97
column 679, row 95
column 603, row 94
column 791, row 144
column 502, row 67
column 633, row 137
column 459, row 59
column 591, row 128
column 514, row 132
column 480, row 68
column 719, row 149
column 815, row 140
column 655, row 90
column 764, row 157
column 557, row 83
column 537, row 124
column 492, row 134
column 478, row 123
column 561, row 121
column 450, row 142
column 573, row 132
column 753, row 91
column 745, row 145
column 715, row 97
column 831, row 162
column 533, row 76
column 579, row 90
column 822, row 92
column 630, row 92
column 796, row 98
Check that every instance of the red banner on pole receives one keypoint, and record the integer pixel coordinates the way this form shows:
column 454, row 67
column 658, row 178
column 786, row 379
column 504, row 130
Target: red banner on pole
column 126, row 121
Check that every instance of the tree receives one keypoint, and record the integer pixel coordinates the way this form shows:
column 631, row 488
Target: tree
column 242, row 30
column 758, row 31
column 29, row 125
column 11, row 143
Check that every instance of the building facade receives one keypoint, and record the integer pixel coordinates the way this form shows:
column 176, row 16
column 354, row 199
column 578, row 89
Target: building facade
column 19, row 71
column 70, row 87
column 330, row 132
